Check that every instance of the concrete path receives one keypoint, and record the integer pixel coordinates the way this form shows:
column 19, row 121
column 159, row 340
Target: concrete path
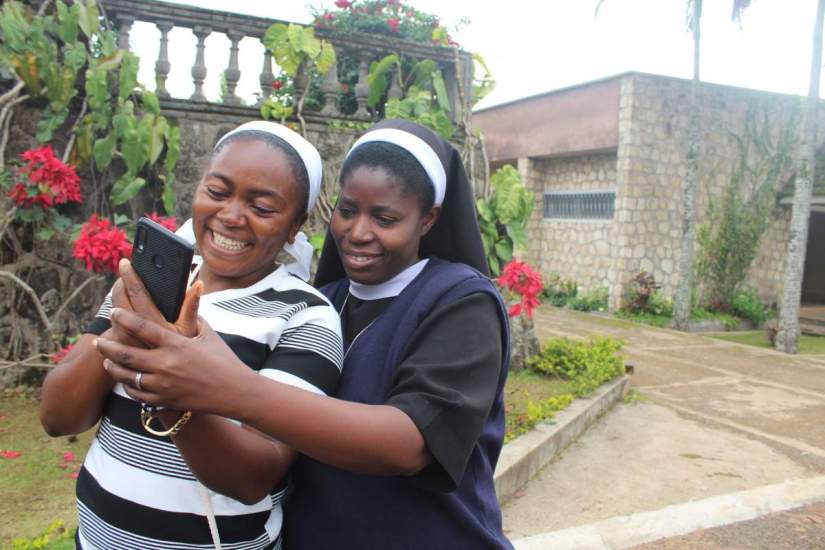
column 712, row 418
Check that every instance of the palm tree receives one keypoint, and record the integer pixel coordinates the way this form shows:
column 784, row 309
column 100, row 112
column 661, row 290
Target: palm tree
column 788, row 334
column 681, row 302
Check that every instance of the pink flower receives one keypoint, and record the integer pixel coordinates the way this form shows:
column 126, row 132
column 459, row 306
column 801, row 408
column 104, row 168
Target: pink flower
column 343, row 4
column 277, row 85
column 73, row 475
column 168, row 222
column 393, row 23
column 11, row 454
column 101, row 246
column 328, row 16
column 68, row 456
column 345, row 87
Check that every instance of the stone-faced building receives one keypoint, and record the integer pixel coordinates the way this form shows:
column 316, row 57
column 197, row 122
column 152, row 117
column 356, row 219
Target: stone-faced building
column 606, row 161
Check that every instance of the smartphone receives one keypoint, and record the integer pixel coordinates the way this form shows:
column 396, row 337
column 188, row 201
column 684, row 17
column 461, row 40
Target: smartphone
column 163, row 261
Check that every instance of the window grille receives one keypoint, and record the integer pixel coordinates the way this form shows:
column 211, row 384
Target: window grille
column 579, row 205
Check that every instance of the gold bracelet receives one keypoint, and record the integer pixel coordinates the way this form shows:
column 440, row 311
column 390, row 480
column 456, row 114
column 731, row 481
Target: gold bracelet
column 147, row 416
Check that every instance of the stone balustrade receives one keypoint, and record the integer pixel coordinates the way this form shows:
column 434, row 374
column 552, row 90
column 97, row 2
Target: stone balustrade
column 456, row 66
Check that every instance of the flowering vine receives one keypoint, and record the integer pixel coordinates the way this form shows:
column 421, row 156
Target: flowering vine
column 49, row 181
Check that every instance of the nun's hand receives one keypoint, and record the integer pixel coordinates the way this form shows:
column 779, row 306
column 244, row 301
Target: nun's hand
column 183, row 373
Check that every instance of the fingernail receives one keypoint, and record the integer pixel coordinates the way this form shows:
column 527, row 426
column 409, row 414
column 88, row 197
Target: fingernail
column 123, row 262
column 106, row 364
column 94, row 343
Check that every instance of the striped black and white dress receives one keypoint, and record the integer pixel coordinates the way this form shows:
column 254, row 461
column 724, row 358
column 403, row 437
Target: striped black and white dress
column 136, row 491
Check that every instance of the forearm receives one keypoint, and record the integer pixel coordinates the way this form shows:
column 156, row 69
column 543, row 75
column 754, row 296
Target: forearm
column 370, row 439
column 228, row 458
column 74, row 393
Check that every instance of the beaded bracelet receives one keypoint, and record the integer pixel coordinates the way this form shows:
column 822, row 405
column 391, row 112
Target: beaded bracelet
column 147, row 415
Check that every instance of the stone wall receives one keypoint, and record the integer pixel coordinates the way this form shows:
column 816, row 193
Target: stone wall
column 576, row 250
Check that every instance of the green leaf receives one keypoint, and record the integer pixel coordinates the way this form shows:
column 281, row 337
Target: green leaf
column 133, row 151
column 487, row 241
column 504, row 249
column 422, row 73
column 441, row 91
column 122, row 219
column 125, row 188
column 68, row 22
column 109, row 62
column 45, row 233
column 377, row 78
column 495, row 266
column 172, row 149
column 275, row 36
column 128, row 75
column 74, row 56
column 168, row 196
column 150, row 102
column 49, row 122
column 104, row 150
column 317, row 240
column 484, row 210
column 156, row 138
column 518, row 235
column 326, row 58
column 89, row 16
column 310, row 45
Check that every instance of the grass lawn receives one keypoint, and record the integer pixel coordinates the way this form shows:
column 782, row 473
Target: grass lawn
column 37, row 486
column 525, row 386
column 808, row 345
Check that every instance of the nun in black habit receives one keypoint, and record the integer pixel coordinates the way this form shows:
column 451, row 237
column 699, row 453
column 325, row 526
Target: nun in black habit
column 425, row 334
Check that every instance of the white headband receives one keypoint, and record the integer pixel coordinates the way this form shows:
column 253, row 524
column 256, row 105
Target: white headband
column 418, row 148
column 308, row 153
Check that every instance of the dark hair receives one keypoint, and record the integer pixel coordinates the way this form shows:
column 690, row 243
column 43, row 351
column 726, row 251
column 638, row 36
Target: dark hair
column 399, row 162
column 299, row 169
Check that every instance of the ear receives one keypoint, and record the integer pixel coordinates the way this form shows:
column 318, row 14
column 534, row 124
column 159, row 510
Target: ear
column 429, row 219
column 296, row 227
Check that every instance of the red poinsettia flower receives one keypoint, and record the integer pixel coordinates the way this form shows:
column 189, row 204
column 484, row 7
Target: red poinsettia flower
column 61, row 353
column 520, row 279
column 393, row 23
column 11, row 454
column 277, row 85
column 50, row 180
column 101, row 246
column 343, row 4
column 168, row 222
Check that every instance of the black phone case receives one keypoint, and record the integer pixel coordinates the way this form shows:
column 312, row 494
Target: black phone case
column 163, row 261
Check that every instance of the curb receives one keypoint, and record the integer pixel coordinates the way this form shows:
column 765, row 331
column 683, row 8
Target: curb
column 622, row 532
column 523, row 457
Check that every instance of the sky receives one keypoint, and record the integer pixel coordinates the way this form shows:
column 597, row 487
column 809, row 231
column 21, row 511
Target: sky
column 535, row 46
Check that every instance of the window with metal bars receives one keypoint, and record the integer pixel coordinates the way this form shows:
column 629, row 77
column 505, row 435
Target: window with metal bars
column 579, row 205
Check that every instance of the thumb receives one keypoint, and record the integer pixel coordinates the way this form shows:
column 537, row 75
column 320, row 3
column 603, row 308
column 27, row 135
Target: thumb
column 187, row 323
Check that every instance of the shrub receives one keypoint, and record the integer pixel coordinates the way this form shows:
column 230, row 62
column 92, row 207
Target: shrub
column 593, row 300
column 746, row 304
column 536, row 412
column 559, row 291
column 586, row 364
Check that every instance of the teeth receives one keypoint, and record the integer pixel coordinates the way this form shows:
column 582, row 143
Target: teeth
column 227, row 243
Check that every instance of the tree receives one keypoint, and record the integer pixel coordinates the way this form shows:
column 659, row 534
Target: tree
column 681, row 302
column 788, row 334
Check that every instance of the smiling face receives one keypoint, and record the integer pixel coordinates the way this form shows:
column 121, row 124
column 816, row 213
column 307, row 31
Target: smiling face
column 246, row 207
column 377, row 227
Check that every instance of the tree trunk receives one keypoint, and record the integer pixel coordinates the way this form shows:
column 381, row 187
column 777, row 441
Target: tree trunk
column 788, row 334
column 681, row 304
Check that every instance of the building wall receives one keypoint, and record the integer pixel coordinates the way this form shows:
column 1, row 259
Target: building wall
column 577, row 250
column 647, row 171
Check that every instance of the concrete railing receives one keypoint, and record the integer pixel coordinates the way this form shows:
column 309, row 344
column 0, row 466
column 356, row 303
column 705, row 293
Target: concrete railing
column 456, row 66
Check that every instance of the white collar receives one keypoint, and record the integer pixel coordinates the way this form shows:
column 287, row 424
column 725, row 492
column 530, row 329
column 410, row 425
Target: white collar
column 387, row 289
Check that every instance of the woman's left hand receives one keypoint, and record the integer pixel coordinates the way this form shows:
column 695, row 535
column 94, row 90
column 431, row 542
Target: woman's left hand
column 178, row 372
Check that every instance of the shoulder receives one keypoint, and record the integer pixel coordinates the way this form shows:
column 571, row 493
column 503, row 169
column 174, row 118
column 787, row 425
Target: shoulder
column 291, row 289
column 458, row 279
